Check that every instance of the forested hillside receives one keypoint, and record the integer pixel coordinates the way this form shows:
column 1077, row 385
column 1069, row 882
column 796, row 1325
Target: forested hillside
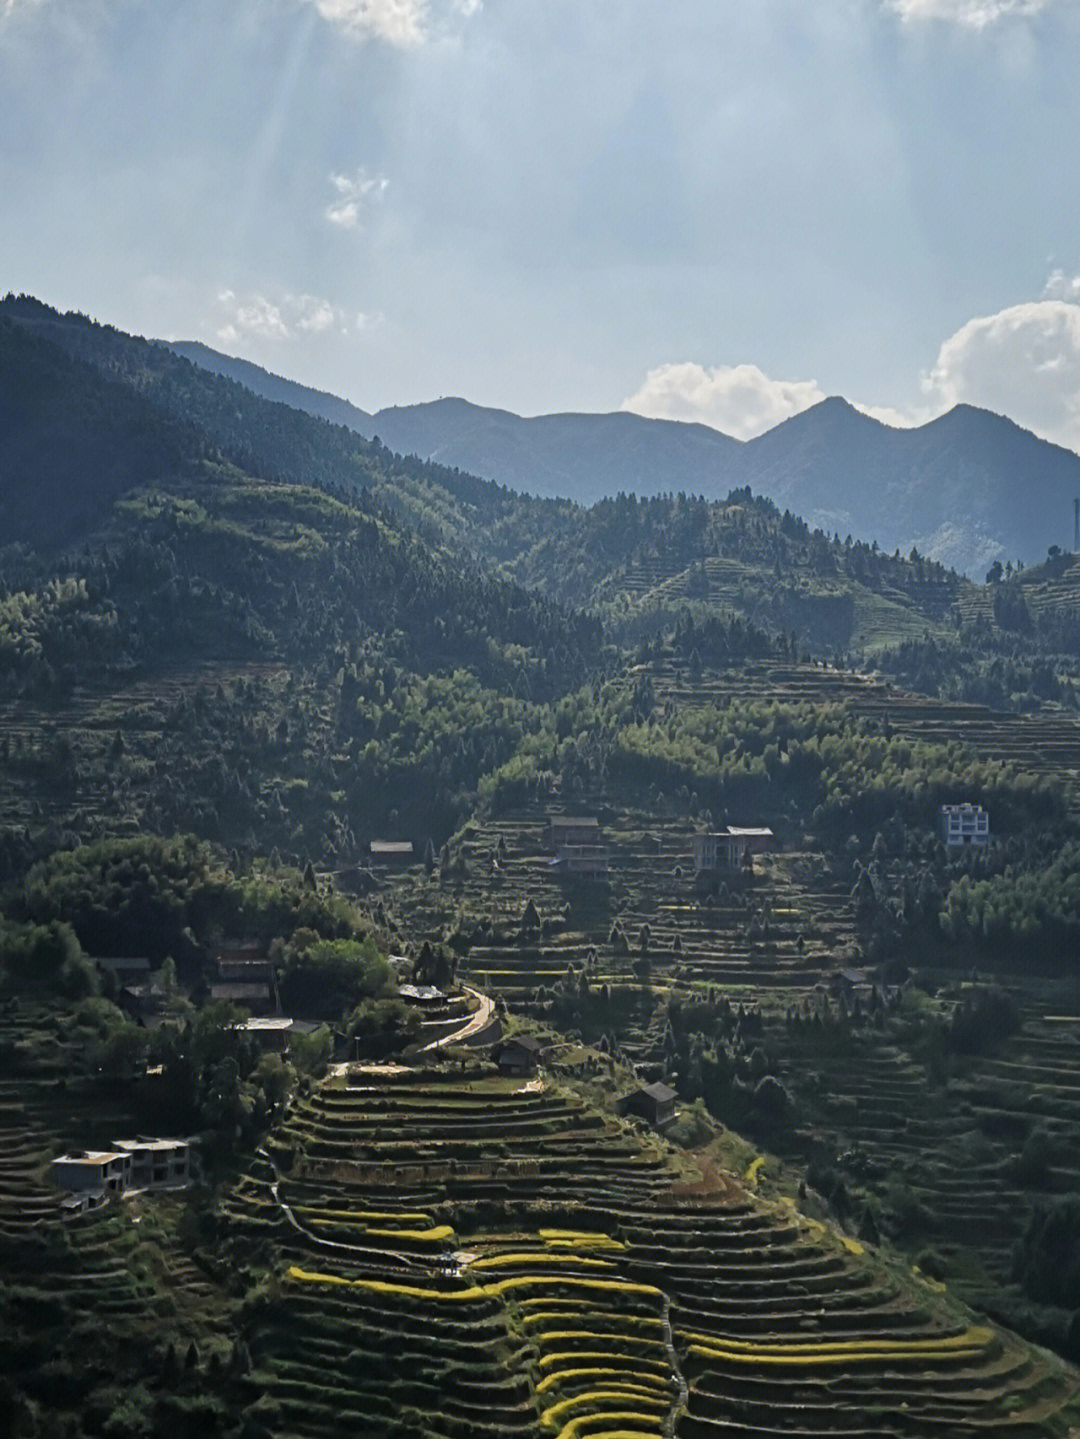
column 966, row 489
column 268, row 690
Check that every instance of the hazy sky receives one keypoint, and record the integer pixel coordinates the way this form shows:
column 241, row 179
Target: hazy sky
column 709, row 209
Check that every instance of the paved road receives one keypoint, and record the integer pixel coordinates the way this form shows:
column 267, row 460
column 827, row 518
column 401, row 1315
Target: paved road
column 473, row 1025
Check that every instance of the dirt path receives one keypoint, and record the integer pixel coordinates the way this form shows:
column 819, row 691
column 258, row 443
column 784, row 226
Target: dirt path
column 676, row 1373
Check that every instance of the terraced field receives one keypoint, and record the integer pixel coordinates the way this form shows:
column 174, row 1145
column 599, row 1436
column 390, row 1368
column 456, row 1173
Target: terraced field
column 955, row 1143
column 460, row 1254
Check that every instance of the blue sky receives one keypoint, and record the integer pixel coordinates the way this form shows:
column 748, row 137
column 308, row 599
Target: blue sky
column 708, row 209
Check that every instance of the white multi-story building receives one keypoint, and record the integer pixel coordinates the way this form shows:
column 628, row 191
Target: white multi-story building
column 963, row 824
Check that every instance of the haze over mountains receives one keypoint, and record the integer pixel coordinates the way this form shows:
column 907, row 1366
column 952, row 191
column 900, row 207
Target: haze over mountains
column 967, row 488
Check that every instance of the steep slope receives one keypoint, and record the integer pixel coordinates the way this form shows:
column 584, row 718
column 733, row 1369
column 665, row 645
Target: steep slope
column 275, row 387
column 71, row 442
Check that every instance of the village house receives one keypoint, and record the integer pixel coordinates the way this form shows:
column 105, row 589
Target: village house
column 144, row 1002
column 257, row 999
column 274, row 1033
column 724, row 849
column 569, row 829
column 155, row 1163
column 424, row 996
column 654, row 1102
column 239, row 951
column 96, row 1171
column 391, row 853
column 964, row 824
column 245, row 971
column 130, row 1164
column 519, row 1055
column 124, row 971
column 581, row 859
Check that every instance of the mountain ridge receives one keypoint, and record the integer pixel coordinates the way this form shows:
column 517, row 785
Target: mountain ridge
column 966, row 488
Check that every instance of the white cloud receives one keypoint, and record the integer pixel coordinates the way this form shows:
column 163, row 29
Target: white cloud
column 354, row 193
column 897, row 419
column 741, row 400
column 1060, row 286
column 257, row 317
column 400, row 22
column 1023, row 362
column 973, row 14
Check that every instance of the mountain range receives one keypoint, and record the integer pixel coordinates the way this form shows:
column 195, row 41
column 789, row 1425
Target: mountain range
column 966, row 489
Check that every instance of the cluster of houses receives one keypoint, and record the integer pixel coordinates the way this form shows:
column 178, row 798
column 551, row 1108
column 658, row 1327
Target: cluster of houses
column 91, row 1177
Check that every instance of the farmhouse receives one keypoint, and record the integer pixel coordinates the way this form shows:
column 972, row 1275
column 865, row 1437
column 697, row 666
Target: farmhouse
column 255, row 998
column 245, row 971
column 155, row 1163
column 723, row 849
column 581, row 859
column 125, row 971
column 422, row 995
column 275, row 1032
column 654, row 1102
column 391, row 852
column 757, row 840
column 569, row 829
column 519, row 1055
column 97, row 1171
column 964, row 824
column 239, row 951
column 143, row 1002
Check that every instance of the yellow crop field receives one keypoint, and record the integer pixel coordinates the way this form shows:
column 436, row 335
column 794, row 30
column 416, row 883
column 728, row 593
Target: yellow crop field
column 476, row 1291
column 504, row 1261
column 591, row 1397
column 599, row 1372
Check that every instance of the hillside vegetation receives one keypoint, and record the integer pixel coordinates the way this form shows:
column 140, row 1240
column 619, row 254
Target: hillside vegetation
column 241, row 648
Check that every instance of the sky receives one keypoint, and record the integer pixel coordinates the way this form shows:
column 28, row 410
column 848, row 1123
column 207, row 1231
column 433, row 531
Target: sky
column 716, row 210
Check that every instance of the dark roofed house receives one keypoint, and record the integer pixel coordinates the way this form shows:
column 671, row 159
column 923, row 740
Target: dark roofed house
column 654, row 1102
column 519, row 1055
column 245, row 971
column 255, row 998
column 396, row 852
column 142, row 1001
column 570, row 829
column 127, row 971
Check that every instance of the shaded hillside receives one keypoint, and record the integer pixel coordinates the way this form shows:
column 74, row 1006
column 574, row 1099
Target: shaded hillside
column 274, row 387
column 71, row 442
column 640, row 563
column 637, row 562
